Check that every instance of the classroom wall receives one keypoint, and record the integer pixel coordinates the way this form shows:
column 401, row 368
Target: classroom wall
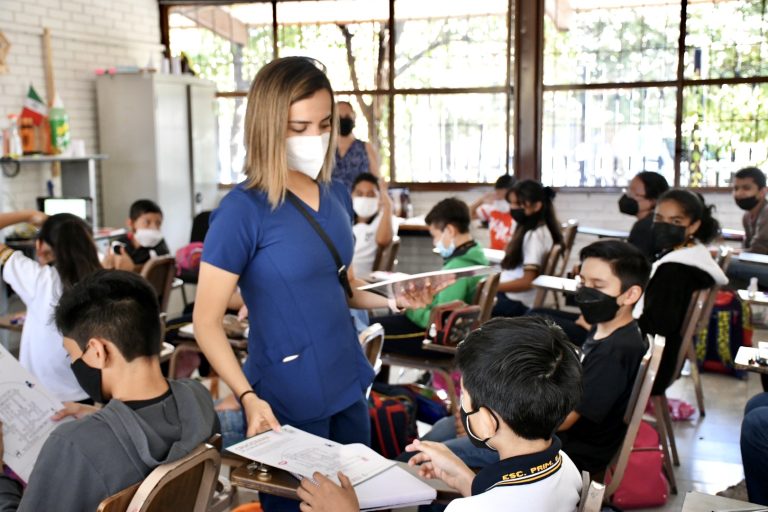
column 85, row 35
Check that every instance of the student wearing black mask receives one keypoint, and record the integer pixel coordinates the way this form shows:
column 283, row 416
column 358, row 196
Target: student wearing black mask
column 353, row 156
column 639, row 200
column 749, row 189
column 613, row 275
column 536, row 231
column 682, row 224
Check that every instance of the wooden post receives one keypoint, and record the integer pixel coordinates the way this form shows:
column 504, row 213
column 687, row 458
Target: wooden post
column 50, row 88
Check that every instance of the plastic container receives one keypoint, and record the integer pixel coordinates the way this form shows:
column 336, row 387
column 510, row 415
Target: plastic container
column 59, row 121
column 14, row 139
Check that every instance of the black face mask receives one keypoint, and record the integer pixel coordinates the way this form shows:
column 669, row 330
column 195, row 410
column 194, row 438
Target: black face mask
column 346, row 125
column 476, row 441
column 596, row 306
column 518, row 215
column 628, row 206
column 747, row 203
column 666, row 236
column 89, row 379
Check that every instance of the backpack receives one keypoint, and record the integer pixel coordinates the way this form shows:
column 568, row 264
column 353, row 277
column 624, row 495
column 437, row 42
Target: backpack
column 644, row 484
column 188, row 258
column 393, row 419
column 729, row 328
column 429, row 406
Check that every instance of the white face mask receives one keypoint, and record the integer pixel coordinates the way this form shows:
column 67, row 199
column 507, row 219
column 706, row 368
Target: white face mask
column 148, row 237
column 306, row 153
column 365, row 207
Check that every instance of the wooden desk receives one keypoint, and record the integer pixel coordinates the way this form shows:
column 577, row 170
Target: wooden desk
column 760, row 298
column 10, row 323
column 752, row 257
column 743, row 358
column 603, row 233
column 557, row 284
column 700, row 502
column 283, row 484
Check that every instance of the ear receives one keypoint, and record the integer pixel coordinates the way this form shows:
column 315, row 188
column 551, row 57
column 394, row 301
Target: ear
column 129, row 223
column 484, row 424
column 451, row 230
column 693, row 228
column 632, row 295
column 99, row 353
column 537, row 206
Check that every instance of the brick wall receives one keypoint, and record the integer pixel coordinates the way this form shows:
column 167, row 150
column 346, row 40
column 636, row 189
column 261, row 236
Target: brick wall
column 85, row 35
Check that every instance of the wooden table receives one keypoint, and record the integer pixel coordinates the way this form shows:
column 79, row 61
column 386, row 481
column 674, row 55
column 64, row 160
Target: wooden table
column 759, row 298
column 283, row 484
column 603, row 233
column 743, row 358
column 700, row 502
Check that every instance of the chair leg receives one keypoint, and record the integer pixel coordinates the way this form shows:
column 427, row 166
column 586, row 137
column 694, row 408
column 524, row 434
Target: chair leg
column 662, row 429
column 184, row 295
column 667, row 419
column 696, row 377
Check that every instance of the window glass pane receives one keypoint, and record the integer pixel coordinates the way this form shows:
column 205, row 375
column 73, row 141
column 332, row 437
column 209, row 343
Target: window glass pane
column 231, row 130
column 589, row 41
column 602, row 138
column 450, row 44
column 450, row 137
column 726, row 39
column 349, row 36
column 372, row 124
column 725, row 128
column 224, row 44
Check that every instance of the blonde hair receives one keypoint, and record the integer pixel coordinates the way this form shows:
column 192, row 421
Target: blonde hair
column 276, row 87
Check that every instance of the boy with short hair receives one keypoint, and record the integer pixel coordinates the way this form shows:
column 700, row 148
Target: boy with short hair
column 521, row 377
column 111, row 327
column 143, row 241
column 749, row 190
column 448, row 223
column 613, row 276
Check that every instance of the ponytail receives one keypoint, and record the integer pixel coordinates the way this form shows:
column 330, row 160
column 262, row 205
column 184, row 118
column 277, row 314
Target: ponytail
column 73, row 249
column 695, row 208
column 530, row 191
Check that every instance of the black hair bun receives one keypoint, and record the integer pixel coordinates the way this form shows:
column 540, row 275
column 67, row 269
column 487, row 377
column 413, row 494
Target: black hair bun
column 550, row 193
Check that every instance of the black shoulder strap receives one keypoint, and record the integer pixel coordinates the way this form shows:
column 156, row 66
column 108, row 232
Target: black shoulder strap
column 341, row 269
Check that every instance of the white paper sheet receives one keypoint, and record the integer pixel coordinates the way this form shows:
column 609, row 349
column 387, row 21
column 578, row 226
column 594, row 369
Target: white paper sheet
column 302, row 453
column 25, row 411
column 403, row 284
column 394, row 488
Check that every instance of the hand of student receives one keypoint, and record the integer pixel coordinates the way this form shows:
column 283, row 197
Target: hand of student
column 242, row 314
column 413, row 297
column 75, row 410
column 385, row 201
column 259, row 415
column 435, row 460
column 37, row 218
column 326, row 496
column 123, row 261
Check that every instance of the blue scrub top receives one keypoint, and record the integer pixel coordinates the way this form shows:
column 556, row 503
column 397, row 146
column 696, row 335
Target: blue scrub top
column 297, row 307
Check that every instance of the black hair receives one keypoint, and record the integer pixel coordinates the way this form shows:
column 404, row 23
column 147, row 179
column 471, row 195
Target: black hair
column 530, row 191
column 626, row 261
column 655, row 184
column 449, row 211
column 346, row 103
column 525, row 370
column 695, row 208
column 365, row 176
column 74, row 252
column 505, row 182
column 115, row 305
column 142, row 206
column 752, row 173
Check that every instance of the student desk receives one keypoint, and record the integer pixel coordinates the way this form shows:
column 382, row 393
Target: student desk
column 734, row 235
column 752, row 257
column 494, row 256
column 698, row 502
column 281, row 483
column 743, row 358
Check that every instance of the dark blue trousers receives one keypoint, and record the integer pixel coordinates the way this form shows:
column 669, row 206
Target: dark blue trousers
column 754, row 448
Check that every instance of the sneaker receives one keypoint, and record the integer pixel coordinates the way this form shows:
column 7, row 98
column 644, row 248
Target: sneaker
column 736, row 492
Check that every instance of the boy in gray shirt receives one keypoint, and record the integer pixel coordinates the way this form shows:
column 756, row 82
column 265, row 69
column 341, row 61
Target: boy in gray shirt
column 111, row 327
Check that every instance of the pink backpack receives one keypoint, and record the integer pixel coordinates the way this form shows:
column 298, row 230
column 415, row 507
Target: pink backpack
column 188, row 258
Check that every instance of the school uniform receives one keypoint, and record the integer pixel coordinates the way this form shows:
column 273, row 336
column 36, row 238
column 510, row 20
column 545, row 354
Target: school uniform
column 365, row 244
column 42, row 351
column 500, row 225
column 609, row 367
column 546, row 480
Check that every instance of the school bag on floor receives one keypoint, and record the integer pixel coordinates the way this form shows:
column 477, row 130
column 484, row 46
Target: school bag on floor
column 728, row 329
column 644, row 484
column 393, row 419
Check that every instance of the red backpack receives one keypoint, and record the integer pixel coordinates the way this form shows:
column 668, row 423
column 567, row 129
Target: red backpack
column 188, row 258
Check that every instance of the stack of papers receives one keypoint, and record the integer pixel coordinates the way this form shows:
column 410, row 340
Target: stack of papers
column 403, row 284
column 378, row 482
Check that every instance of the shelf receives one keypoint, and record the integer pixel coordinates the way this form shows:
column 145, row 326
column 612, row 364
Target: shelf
column 42, row 159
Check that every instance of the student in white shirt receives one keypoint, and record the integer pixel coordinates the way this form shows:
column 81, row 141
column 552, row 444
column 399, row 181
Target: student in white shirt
column 520, row 379
column 374, row 225
column 537, row 230
column 65, row 254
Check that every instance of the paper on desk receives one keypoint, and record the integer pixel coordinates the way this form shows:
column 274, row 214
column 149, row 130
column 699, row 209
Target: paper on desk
column 435, row 281
column 376, row 493
column 303, row 454
column 25, row 411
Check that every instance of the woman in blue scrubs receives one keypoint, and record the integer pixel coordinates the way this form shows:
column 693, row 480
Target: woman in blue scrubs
column 305, row 366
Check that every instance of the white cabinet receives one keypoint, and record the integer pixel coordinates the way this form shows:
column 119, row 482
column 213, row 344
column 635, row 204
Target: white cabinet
column 160, row 134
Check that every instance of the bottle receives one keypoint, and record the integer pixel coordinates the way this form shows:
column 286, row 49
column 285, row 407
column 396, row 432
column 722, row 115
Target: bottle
column 14, row 139
column 59, row 121
column 752, row 290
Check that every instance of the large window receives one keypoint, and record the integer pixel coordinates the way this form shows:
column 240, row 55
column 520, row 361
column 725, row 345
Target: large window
column 439, row 112
column 618, row 100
